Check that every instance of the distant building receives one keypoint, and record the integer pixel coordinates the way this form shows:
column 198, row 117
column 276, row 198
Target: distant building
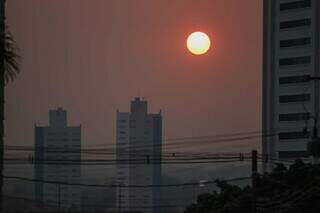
column 139, row 143
column 54, row 144
column 290, row 56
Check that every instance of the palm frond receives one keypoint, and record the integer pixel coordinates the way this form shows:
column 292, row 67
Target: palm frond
column 11, row 57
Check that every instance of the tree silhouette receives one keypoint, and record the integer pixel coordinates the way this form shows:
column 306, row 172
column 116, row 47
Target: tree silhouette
column 286, row 190
column 11, row 57
column 9, row 68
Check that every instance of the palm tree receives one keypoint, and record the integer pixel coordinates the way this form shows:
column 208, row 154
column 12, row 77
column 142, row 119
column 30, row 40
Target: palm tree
column 9, row 68
column 11, row 57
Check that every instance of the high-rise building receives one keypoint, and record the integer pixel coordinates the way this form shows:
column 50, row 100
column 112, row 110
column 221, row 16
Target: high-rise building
column 56, row 146
column 139, row 140
column 290, row 58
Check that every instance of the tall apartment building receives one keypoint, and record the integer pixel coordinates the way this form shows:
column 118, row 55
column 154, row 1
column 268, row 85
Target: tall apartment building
column 55, row 144
column 290, row 57
column 139, row 139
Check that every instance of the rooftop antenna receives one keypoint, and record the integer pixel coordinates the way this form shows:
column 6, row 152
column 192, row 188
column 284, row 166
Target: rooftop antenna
column 139, row 93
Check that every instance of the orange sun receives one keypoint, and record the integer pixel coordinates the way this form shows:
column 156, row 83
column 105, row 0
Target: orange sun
column 198, row 43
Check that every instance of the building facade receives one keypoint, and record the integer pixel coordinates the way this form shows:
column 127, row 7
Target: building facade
column 290, row 58
column 139, row 144
column 57, row 158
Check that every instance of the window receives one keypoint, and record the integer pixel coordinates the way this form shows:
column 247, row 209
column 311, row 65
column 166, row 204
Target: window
column 294, row 117
column 295, row 61
column 295, row 42
column 122, row 121
column 294, row 98
column 295, row 5
column 293, row 154
column 122, row 132
column 293, row 135
column 294, row 79
column 295, row 23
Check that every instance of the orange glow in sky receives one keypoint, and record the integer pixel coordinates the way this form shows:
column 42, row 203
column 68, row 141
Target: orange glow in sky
column 198, row 43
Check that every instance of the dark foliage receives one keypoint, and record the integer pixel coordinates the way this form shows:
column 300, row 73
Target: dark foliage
column 286, row 190
column 11, row 57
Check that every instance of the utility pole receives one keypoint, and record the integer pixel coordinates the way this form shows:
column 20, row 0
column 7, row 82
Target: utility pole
column 254, row 166
column 241, row 156
column 314, row 145
column 254, row 173
column 119, row 198
column 59, row 197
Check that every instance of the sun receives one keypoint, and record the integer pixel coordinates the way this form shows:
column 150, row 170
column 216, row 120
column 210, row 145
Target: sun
column 198, row 43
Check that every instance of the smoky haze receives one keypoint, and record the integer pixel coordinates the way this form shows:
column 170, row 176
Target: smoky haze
column 93, row 57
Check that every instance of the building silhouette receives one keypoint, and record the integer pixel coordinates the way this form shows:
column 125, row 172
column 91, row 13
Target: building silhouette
column 139, row 140
column 56, row 146
column 290, row 58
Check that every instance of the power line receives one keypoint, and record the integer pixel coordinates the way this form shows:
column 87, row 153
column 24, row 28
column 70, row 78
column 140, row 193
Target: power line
column 180, row 141
column 113, row 151
column 125, row 186
column 277, row 160
column 96, row 206
column 174, row 158
column 226, row 135
column 130, row 163
column 141, row 160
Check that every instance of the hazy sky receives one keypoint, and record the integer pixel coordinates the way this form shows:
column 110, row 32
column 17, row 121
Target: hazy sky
column 93, row 56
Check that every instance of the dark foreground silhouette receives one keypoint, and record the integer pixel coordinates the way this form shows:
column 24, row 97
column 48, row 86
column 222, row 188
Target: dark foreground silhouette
column 286, row 190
